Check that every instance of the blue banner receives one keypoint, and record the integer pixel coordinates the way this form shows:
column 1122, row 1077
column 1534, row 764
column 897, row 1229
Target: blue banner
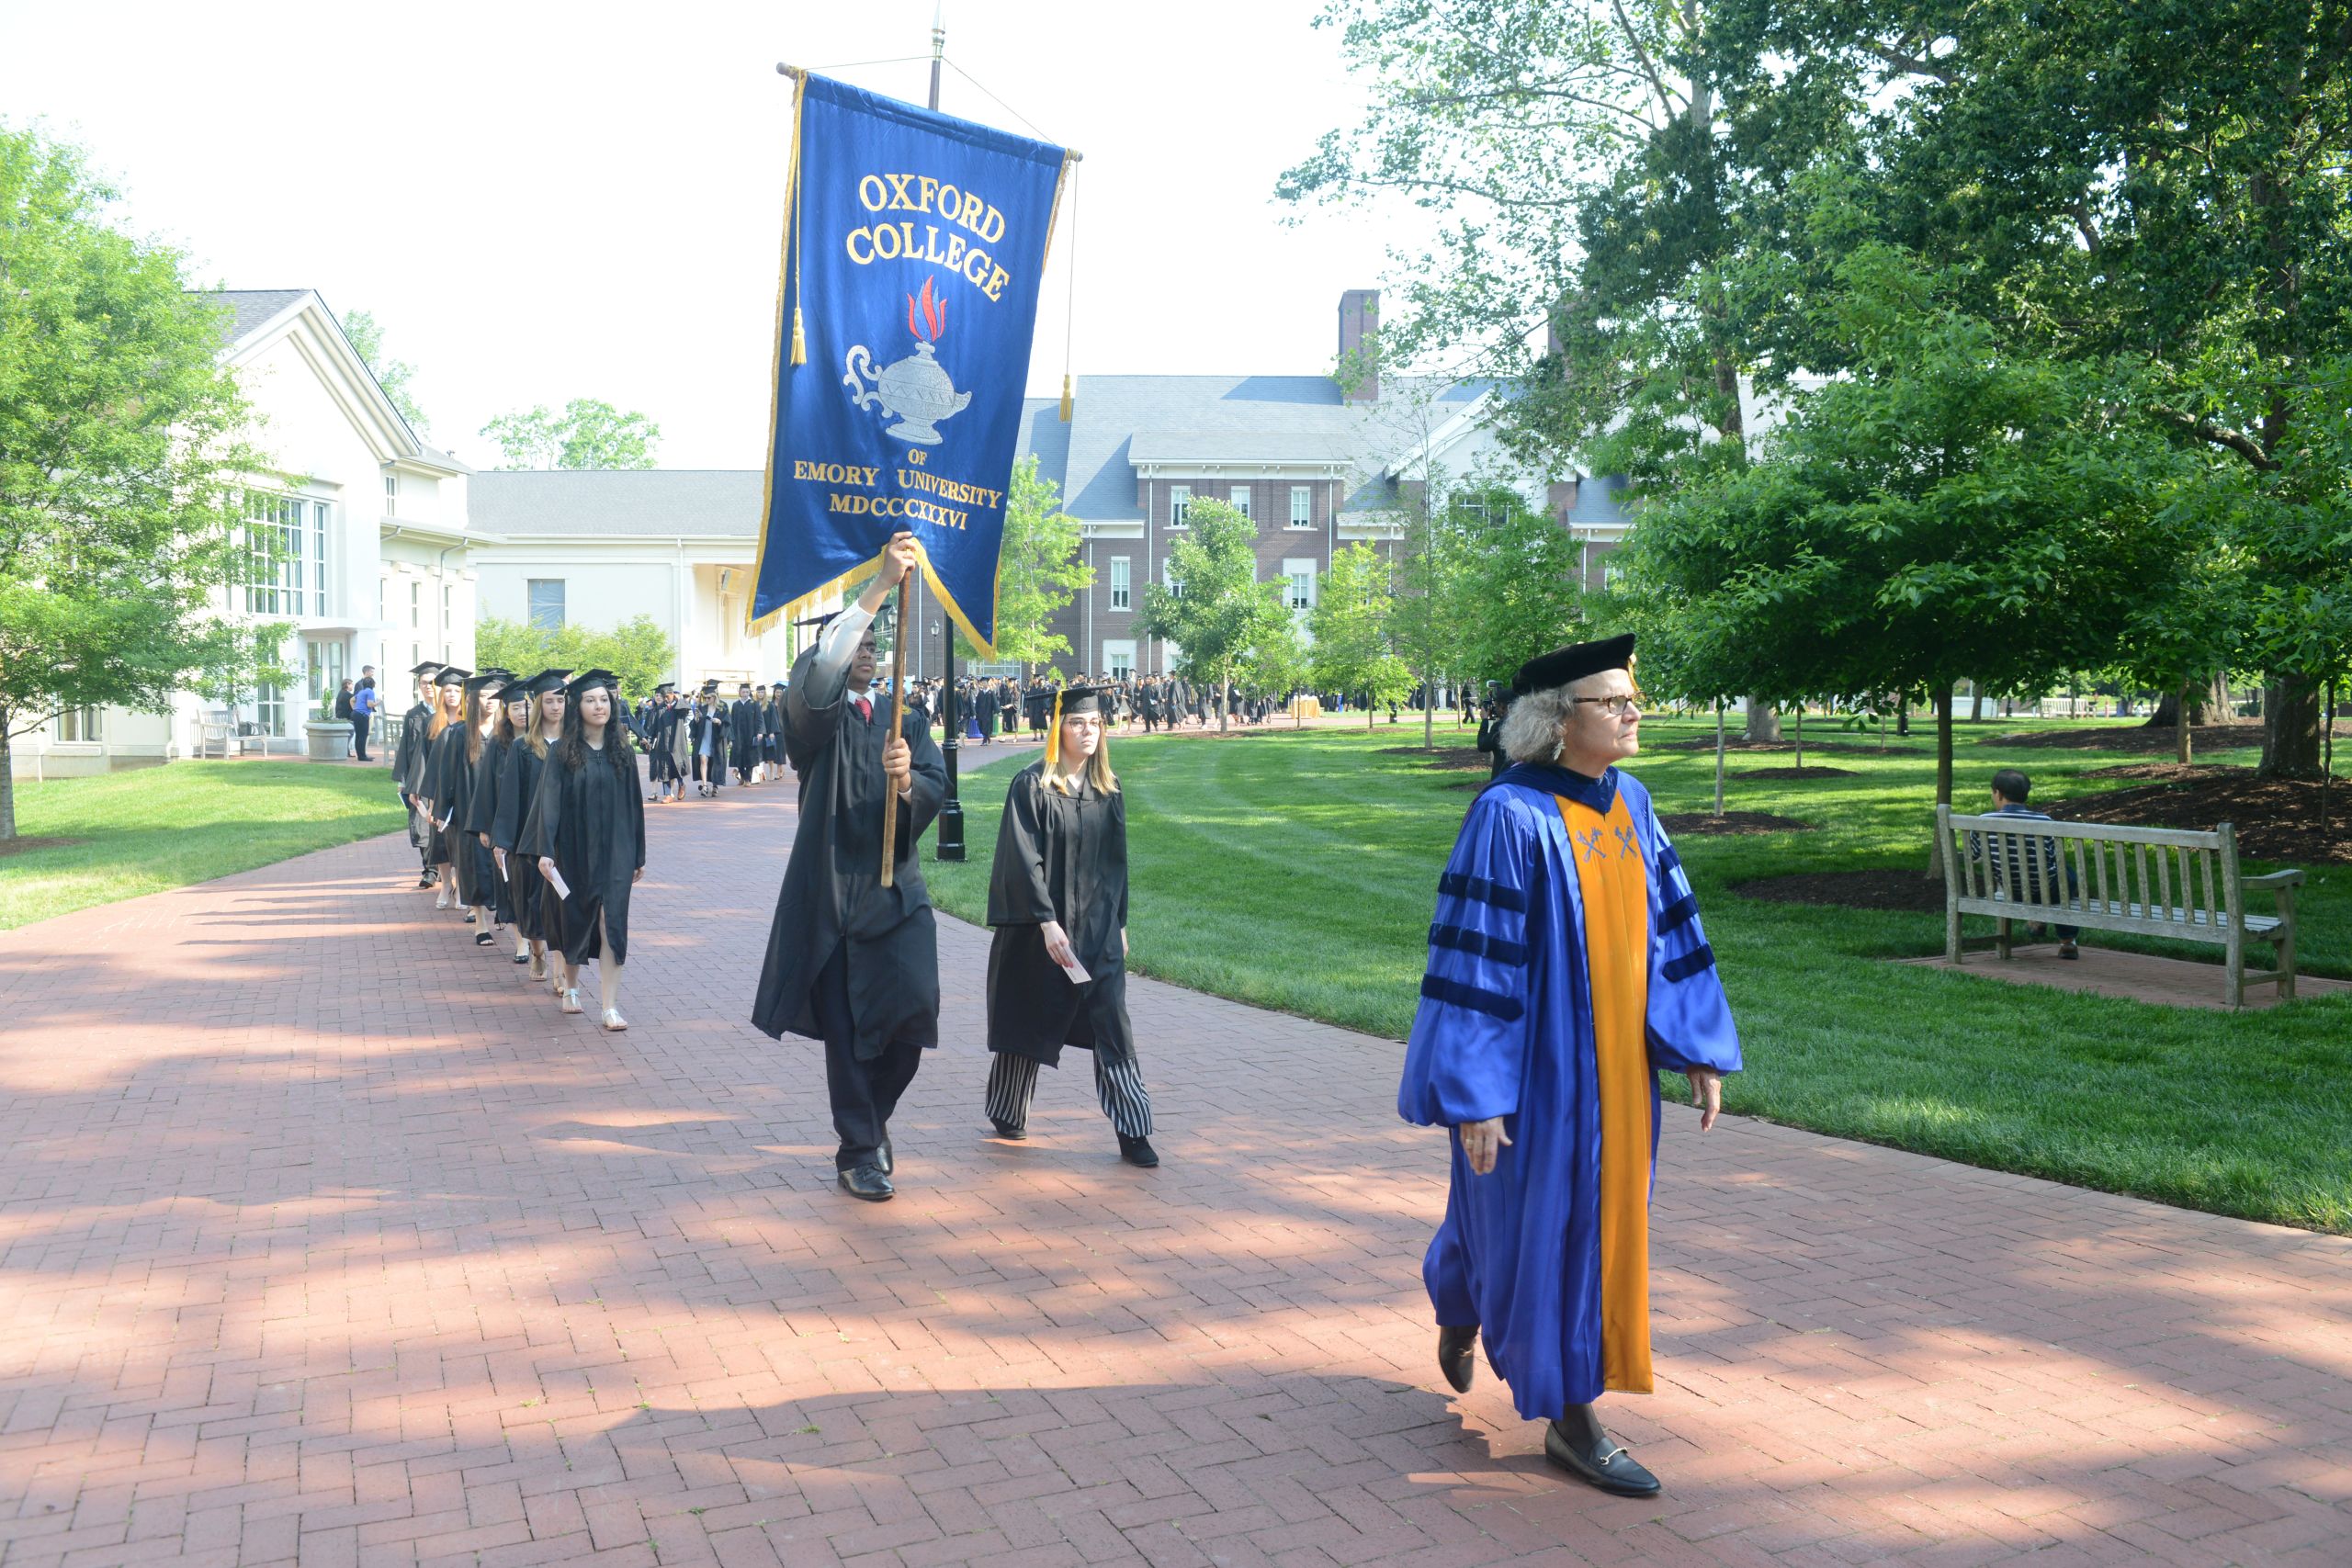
column 914, row 251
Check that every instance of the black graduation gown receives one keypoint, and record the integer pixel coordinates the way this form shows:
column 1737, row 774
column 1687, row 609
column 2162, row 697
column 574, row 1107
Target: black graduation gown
column 590, row 820
column 518, row 785
column 447, row 773
column 481, row 812
column 832, row 892
column 711, row 722
column 1059, row 857
column 408, row 766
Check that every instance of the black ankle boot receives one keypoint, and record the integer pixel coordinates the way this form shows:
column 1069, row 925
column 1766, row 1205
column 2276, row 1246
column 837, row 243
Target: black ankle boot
column 1457, row 1357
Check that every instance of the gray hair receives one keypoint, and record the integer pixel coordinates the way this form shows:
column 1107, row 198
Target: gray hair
column 1531, row 729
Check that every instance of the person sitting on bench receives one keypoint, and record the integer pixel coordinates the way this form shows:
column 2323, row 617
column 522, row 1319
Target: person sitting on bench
column 2020, row 869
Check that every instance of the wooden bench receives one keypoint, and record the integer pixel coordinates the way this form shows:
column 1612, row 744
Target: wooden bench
column 2168, row 881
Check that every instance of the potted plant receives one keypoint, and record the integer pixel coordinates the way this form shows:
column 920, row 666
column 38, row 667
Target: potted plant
column 324, row 736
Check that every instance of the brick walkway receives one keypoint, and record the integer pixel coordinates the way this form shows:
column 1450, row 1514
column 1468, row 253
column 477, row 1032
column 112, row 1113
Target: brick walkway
column 327, row 1241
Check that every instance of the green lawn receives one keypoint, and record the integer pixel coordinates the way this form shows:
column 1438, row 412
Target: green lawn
column 151, row 829
column 1299, row 872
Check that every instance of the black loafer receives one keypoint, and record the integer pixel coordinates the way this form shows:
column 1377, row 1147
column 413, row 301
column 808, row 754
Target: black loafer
column 1457, row 1357
column 1008, row 1132
column 882, row 1157
column 1137, row 1151
column 1606, row 1466
column 868, row 1181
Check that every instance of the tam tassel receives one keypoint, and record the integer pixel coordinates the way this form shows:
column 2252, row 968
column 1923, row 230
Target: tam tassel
column 799, row 339
column 1068, row 388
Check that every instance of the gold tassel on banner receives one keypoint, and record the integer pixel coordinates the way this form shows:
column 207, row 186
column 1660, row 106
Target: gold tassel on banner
column 801, row 348
column 1068, row 388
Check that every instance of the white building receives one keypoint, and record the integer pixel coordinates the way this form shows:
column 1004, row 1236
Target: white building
column 371, row 567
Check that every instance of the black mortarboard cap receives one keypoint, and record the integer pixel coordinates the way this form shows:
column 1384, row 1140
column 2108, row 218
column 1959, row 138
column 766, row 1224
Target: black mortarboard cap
column 452, row 676
column 488, row 681
column 589, row 679
column 548, row 680
column 820, row 621
column 427, row 668
column 1573, row 663
column 1083, row 699
column 666, row 688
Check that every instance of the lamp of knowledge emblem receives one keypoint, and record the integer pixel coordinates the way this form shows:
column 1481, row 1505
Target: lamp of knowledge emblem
column 915, row 390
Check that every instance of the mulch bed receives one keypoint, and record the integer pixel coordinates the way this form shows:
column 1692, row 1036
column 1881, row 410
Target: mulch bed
column 1807, row 771
column 2276, row 819
column 1906, row 891
column 26, row 846
column 1730, row 824
column 1446, row 759
column 2139, row 738
column 1827, row 748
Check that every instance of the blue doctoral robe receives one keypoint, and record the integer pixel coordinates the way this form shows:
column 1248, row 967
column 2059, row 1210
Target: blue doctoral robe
column 1505, row 1029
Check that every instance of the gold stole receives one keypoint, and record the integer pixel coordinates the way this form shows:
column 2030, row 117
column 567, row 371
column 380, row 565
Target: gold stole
column 1615, row 884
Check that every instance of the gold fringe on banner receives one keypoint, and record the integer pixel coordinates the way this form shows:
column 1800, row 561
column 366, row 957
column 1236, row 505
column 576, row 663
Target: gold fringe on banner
column 787, row 286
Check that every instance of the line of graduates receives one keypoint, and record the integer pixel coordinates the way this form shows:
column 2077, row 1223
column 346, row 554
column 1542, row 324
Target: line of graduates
column 854, row 963
column 523, row 803
column 699, row 740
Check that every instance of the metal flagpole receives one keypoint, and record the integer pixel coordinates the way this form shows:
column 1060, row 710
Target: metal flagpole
column 949, row 843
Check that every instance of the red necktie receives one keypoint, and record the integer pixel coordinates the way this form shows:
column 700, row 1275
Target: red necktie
column 865, row 708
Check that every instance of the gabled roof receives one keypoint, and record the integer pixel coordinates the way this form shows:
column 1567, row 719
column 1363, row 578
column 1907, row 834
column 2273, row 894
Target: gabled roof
column 618, row 503
column 254, row 309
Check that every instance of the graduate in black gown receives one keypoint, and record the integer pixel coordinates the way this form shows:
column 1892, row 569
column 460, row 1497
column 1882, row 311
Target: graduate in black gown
column 408, row 770
column 456, row 764
column 518, row 787
column 850, row 962
column 588, row 824
column 661, row 762
column 448, row 719
column 1058, row 897
column 491, row 776
column 710, row 741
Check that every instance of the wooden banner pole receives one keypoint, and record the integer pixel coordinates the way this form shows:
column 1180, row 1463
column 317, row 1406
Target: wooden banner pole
column 898, row 727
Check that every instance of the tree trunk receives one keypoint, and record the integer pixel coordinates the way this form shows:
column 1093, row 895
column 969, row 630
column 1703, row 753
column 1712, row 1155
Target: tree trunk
column 8, row 781
column 1719, row 757
column 1936, row 871
column 1429, row 711
column 2184, row 725
column 2290, row 712
column 1975, row 702
column 1763, row 723
column 1902, row 714
column 1800, row 735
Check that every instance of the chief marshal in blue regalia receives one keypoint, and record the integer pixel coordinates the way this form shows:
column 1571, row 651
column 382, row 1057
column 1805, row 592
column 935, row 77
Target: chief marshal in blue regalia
column 1566, row 964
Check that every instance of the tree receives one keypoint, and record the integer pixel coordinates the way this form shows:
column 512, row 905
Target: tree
column 1276, row 662
column 1350, row 625
column 1950, row 511
column 391, row 375
column 637, row 650
column 1038, row 570
column 1218, row 611
column 123, row 464
column 588, row 433
column 1515, row 590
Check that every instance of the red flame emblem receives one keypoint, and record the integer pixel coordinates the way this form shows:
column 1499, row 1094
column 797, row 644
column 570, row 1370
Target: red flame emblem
column 935, row 314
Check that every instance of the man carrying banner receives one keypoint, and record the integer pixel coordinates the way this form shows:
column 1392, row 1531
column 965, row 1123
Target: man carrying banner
column 851, row 962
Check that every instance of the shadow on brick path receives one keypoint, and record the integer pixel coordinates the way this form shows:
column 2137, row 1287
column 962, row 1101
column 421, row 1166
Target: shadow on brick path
column 324, row 1238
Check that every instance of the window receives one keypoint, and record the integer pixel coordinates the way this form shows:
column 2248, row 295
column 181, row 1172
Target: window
column 78, row 724
column 1167, row 576
column 1241, row 500
column 415, row 606
column 323, row 658
column 1302, row 506
column 1119, row 659
column 1179, row 506
column 269, row 708
column 1121, row 597
column 1298, row 583
column 286, row 551
column 547, row 603
column 391, row 496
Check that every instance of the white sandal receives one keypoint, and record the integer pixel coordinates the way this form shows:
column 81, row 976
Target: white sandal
column 614, row 1022
column 441, row 901
column 567, row 999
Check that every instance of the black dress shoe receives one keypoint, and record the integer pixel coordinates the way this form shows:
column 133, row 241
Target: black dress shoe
column 868, row 1181
column 1457, row 1357
column 1602, row 1464
column 1007, row 1131
column 1137, row 1151
column 882, row 1157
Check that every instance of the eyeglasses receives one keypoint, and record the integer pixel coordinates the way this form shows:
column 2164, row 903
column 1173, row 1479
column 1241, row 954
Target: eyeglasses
column 1615, row 706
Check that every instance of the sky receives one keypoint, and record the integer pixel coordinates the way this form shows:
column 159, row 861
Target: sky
column 539, row 202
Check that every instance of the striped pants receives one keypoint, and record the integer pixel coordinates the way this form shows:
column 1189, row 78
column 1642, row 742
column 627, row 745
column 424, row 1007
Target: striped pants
column 1118, row 1084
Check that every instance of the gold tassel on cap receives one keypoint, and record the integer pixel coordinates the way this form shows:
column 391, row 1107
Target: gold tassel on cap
column 801, row 348
column 1069, row 386
column 1054, row 742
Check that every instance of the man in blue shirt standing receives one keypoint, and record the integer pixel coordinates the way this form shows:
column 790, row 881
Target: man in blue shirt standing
column 363, row 708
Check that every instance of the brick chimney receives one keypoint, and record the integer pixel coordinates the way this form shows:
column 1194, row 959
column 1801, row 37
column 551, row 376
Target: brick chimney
column 1359, row 320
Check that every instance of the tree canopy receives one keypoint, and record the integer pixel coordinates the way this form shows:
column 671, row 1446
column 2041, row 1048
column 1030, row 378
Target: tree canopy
column 637, row 650
column 588, row 433
column 124, row 464
column 1217, row 612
